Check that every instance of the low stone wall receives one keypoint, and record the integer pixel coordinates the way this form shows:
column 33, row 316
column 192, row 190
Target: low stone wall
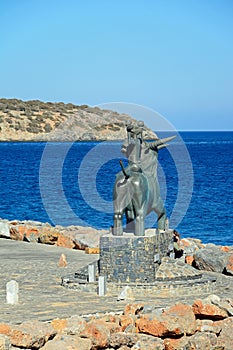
column 186, row 287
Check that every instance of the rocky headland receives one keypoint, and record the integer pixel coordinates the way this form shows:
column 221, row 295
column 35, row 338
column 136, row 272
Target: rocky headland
column 186, row 317
column 46, row 121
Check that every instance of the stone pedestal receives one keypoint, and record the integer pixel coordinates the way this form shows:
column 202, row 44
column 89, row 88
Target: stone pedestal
column 129, row 258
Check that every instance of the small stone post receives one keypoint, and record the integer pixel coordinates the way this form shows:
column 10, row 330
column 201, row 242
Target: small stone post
column 172, row 255
column 102, row 286
column 171, row 251
column 62, row 261
column 91, row 273
column 12, row 292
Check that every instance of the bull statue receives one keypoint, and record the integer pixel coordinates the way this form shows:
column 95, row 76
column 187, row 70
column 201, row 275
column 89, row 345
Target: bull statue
column 136, row 190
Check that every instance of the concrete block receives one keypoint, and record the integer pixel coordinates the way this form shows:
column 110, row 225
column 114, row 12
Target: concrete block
column 92, row 273
column 12, row 292
column 102, row 286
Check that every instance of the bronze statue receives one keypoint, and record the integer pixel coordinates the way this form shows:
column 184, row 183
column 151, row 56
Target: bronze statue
column 136, row 190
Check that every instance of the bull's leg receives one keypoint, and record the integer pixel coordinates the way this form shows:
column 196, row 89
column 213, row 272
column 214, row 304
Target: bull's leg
column 161, row 212
column 140, row 203
column 162, row 221
column 140, row 223
column 119, row 200
column 118, row 227
column 130, row 225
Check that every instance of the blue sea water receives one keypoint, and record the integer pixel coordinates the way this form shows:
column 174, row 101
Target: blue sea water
column 71, row 183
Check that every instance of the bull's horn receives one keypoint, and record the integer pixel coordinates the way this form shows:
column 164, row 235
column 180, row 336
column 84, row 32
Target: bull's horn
column 159, row 142
column 163, row 145
column 167, row 139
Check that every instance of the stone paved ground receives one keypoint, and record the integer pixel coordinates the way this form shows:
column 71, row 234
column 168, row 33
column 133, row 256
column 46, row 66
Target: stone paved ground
column 35, row 268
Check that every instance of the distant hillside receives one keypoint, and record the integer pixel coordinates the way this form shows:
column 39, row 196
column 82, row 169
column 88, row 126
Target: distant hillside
column 47, row 121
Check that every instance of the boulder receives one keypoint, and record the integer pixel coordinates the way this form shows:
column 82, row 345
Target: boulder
column 177, row 343
column 128, row 319
column 210, row 259
column 229, row 264
column 183, row 314
column 224, row 304
column 225, row 248
column 205, row 308
column 31, row 334
column 66, row 342
column 189, row 259
column 111, row 318
column 90, row 239
column 147, row 342
column 209, row 326
column 89, row 250
column 48, row 235
column 113, row 327
column 65, row 242
column 29, row 233
column 127, row 322
column 82, row 236
column 97, row 332
column 4, row 229
column 207, row 341
column 175, row 321
column 5, row 329
column 59, row 324
column 75, row 325
column 202, row 341
column 133, row 309
column 225, row 338
column 4, row 342
column 17, row 233
column 190, row 245
column 176, row 269
column 122, row 338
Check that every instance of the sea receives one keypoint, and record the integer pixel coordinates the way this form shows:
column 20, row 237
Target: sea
column 71, row 183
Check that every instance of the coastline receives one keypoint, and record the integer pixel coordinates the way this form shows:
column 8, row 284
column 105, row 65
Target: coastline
column 83, row 237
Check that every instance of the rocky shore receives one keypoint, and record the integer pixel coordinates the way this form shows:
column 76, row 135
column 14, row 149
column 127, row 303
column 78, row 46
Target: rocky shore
column 178, row 316
column 207, row 257
column 72, row 237
column 206, row 324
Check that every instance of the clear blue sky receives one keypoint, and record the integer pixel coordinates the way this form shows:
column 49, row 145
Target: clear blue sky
column 173, row 56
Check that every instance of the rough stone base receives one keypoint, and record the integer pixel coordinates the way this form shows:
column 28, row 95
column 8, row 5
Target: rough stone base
column 162, row 288
column 129, row 258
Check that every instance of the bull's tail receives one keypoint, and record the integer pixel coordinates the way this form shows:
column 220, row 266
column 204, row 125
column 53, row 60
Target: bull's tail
column 123, row 170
